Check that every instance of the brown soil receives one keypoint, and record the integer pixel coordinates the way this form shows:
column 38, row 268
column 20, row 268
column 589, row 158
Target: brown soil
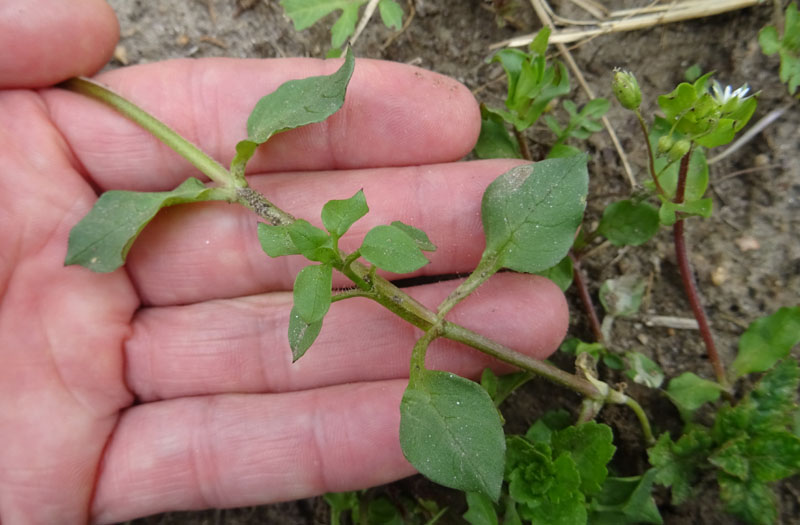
column 750, row 244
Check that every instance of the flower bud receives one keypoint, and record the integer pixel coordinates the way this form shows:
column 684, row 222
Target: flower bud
column 665, row 144
column 626, row 89
column 679, row 149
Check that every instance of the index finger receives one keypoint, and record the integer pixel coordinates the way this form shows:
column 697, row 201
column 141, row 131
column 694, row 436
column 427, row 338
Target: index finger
column 393, row 115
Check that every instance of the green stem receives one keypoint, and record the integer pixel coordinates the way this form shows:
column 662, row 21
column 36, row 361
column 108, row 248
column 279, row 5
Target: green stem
column 650, row 156
column 647, row 432
column 381, row 290
column 213, row 169
column 487, row 267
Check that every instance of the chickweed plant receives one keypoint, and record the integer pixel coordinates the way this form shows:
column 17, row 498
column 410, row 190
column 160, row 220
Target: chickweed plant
column 451, row 429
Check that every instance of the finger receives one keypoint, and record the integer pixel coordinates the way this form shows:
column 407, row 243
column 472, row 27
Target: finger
column 238, row 450
column 393, row 115
column 45, row 42
column 240, row 345
column 201, row 252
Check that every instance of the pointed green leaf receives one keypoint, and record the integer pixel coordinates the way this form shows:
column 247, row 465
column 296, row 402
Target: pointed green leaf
column 392, row 249
column 689, row 392
column 767, row 340
column 275, row 240
column 590, row 446
column 301, row 334
column 530, row 213
column 102, row 239
column 480, row 510
column 339, row 215
column 295, row 103
column 419, row 236
column 671, row 212
column 450, row 431
column 629, row 223
column 312, row 292
column 391, row 14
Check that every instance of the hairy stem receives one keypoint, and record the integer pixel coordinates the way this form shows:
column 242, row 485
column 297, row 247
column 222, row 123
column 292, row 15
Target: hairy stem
column 689, row 282
column 213, row 169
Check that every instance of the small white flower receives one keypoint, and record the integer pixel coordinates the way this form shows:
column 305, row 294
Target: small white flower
column 722, row 96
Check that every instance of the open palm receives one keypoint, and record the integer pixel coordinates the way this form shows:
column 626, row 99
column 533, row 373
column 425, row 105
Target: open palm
column 169, row 384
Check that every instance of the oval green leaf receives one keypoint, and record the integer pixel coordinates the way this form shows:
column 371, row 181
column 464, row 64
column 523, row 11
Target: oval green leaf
column 392, row 249
column 767, row 340
column 628, row 223
column 102, row 239
column 312, row 292
column 451, row 432
column 531, row 213
column 301, row 334
column 339, row 215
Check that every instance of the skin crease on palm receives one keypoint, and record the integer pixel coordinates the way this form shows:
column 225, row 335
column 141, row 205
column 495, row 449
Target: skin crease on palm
column 167, row 384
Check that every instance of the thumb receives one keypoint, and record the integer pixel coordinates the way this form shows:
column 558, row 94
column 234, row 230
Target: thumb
column 46, row 41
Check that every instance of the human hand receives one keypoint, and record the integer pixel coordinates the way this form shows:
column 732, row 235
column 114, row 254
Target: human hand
column 168, row 384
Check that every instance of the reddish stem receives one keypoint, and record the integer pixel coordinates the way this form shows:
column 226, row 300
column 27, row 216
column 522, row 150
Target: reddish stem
column 586, row 299
column 688, row 279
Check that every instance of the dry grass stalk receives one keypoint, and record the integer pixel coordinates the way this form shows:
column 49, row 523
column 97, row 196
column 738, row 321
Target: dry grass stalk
column 630, row 19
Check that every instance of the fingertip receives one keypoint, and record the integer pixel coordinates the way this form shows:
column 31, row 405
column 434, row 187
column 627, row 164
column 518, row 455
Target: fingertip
column 47, row 42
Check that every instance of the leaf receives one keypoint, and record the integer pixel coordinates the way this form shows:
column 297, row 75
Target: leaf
column 643, row 370
column 563, row 503
column 295, row 103
column 689, row 392
column 622, row 297
column 102, row 239
column 530, row 213
column 305, row 13
column 275, row 240
column 677, row 462
column 301, row 334
column 560, row 274
column 624, row 501
column 341, row 502
column 311, row 242
column 551, row 421
column 450, row 431
column 480, row 510
column 339, row 215
column 751, row 500
column 629, row 223
column 391, row 248
column 419, row 236
column 494, row 140
column 345, row 25
column 312, row 292
column 590, row 447
column 391, row 14
column 499, row 388
column 767, row 340
column 668, row 213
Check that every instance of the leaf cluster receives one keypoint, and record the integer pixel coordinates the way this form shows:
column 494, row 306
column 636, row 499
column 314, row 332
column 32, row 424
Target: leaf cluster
column 750, row 444
column 395, row 248
column 787, row 46
column 557, row 474
column 707, row 119
column 371, row 507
